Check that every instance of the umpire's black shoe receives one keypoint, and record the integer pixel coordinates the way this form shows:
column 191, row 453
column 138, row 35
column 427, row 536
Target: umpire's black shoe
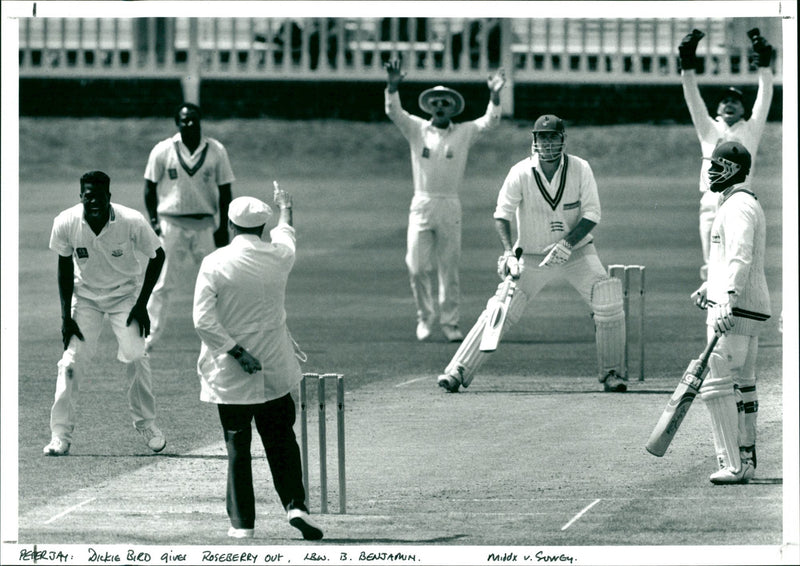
column 299, row 519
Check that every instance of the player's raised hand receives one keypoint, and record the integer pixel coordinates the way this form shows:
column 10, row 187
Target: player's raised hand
column 139, row 314
column 69, row 328
column 394, row 73
column 688, row 48
column 688, row 45
column 281, row 198
column 497, row 80
column 701, row 297
column 762, row 48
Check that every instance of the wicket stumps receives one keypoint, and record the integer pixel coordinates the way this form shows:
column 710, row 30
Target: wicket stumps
column 632, row 277
column 319, row 380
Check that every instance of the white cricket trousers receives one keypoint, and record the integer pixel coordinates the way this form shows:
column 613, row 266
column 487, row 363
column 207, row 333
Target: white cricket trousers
column 89, row 317
column 581, row 271
column 434, row 247
column 183, row 241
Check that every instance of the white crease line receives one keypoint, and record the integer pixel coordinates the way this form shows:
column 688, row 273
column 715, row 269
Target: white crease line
column 68, row 511
column 410, row 382
column 579, row 515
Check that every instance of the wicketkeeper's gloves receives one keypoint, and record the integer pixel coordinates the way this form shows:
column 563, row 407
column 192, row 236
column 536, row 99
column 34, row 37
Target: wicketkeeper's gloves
column 687, row 50
column 762, row 55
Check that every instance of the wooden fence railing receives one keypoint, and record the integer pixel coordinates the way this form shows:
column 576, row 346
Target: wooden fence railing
column 560, row 50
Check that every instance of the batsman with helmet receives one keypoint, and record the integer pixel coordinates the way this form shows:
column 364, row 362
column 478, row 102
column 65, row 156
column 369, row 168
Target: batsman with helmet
column 554, row 198
column 729, row 124
column 737, row 302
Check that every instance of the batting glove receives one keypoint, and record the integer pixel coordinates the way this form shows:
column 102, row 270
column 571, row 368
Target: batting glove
column 557, row 254
column 763, row 50
column 722, row 318
column 508, row 264
column 69, row 328
column 688, row 48
column 701, row 297
column 139, row 314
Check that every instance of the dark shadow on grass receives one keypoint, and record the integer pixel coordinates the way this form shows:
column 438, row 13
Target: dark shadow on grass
column 435, row 540
column 571, row 392
column 767, row 481
column 161, row 455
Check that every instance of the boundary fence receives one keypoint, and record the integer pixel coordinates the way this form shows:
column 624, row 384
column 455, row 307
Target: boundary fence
column 567, row 51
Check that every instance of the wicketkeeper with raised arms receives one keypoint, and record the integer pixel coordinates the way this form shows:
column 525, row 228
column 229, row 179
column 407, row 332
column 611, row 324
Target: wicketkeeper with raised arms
column 553, row 196
column 730, row 123
column 738, row 304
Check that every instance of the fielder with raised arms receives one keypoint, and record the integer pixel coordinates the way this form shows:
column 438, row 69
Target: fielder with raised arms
column 554, row 198
column 439, row 150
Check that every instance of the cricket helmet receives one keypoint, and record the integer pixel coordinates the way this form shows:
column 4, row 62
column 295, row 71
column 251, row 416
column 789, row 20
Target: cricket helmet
column 548, row 150
column 730, row 164
column 453, row 97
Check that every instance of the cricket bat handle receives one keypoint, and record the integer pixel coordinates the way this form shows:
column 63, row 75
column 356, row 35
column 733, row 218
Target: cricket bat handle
column 680, row 402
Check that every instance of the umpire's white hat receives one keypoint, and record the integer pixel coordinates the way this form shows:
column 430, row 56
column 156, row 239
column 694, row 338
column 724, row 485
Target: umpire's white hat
column 248, row 212
column 455, row 98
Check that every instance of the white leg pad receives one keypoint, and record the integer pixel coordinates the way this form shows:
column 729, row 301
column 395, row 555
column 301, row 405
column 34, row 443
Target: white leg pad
column 718, row 394
column 609, row 321
column 468, row 358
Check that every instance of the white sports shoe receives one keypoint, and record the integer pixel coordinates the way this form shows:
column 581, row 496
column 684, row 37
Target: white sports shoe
column 423, row 331
column 240, row 533
column 452, row 333
column 57, row 447
column 730, row 475
column 300, row 520
column 153, row 437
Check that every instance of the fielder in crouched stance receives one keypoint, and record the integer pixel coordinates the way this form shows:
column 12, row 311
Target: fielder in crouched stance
column 738, row 304
column 99, row 274
column 554, row 198
column 247, row 363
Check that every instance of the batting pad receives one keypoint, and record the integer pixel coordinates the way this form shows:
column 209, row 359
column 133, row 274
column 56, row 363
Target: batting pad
column 609, row 322
column 468, row 358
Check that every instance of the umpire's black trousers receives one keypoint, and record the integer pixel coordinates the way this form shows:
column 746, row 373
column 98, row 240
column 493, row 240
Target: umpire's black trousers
column 274, row 422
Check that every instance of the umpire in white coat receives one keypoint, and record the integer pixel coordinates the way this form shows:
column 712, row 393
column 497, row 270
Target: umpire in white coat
column 247, row 364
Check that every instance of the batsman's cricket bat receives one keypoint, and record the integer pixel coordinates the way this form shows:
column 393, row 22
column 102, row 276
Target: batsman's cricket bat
column 679, row 403
column 497, row 315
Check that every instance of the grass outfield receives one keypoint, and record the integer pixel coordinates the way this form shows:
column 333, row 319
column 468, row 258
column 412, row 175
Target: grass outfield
column 509, row 461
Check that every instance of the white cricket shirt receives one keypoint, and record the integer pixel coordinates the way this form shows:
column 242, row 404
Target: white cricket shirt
column 438, row 156
column 106, row 265
column 713, row 131
column 188, row 182
column 736, row 260
column 239, row 298
column 546, row 211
